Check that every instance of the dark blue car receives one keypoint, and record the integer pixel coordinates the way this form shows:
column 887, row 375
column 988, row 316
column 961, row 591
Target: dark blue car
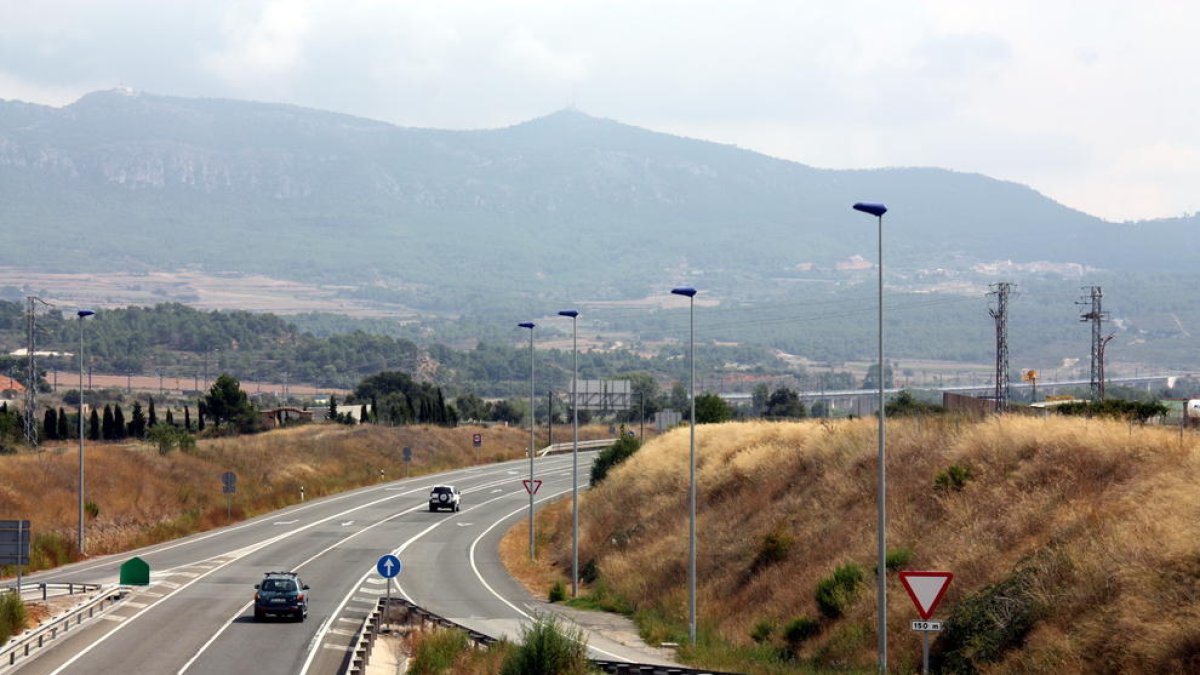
column 281, row 594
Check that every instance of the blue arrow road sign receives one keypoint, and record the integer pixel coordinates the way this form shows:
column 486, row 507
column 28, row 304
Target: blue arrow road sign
column 388, row 566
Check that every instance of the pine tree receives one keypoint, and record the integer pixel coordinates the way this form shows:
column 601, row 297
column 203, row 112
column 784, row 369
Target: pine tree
column 137, row 421
column 65, row 429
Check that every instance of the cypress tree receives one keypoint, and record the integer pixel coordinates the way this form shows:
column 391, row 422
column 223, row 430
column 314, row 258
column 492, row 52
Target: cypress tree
column 65, row 429
column 120, row 431
column 187, row 418
column 200, row 416
column 362, row 415
column 170, row 418
column 109, row 429
column 333, row 408
column 94, row 431
column 50, row 425
column 153, row 417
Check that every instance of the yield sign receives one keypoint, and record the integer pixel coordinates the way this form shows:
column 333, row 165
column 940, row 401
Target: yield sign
column 531, row 486
column 926, row 589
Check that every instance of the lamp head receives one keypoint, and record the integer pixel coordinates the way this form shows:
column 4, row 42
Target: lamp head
column 684, row 290
column 876, row 210
column 84, row 312
column 526, row 324
column 569, row 312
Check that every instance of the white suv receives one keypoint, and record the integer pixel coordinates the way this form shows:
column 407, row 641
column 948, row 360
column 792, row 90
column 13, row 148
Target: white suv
column 444, row 497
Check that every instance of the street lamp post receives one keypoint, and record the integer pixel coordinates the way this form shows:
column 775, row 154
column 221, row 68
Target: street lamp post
column 574, row 315
column 81, row 314
column 690, row 293
column 529, row 489
column 878, row 210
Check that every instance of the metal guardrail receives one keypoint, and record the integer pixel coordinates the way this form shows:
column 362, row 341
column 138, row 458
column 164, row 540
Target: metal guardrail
column 361, row 654
column 43, row 588
column 23, row 645
column 567, row 447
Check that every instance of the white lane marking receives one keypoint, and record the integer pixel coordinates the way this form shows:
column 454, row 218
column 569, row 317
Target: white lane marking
column 135, row 605
column 337, row 648
column 351, row 597
column 286, row 522
column 112, row 617
column 464, row 524
column 348, row 523
column 501, row 598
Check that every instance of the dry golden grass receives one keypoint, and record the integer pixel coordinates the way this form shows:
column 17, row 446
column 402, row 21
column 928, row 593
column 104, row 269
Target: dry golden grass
column 144, row 497
column 1106, row 516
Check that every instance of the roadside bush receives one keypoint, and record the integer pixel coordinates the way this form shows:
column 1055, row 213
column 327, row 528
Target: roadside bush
column 548, row 649
column 896, row 559
column 987, row 624
column 834, row 594
column 762, row 632
column 436, row 652
column 558, row 592
column 621, row 450
column 797, row 631
column 954, row 478
column 12, row 615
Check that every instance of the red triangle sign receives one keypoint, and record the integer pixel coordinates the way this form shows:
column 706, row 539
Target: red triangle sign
column 926, row 589
column 532, row 486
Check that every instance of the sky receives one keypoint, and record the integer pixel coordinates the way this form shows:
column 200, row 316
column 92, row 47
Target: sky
column 1095, row 104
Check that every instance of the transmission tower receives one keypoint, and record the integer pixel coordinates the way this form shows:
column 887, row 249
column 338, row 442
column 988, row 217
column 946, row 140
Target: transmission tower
column 31, row 427
column 1096, row 316
column 1000, row 315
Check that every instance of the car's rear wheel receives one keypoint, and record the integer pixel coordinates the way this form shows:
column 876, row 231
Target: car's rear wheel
column 258, row 616
column 432, row 508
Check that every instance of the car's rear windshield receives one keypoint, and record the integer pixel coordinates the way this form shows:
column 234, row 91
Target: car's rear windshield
column 278, row 585
column 441, row 490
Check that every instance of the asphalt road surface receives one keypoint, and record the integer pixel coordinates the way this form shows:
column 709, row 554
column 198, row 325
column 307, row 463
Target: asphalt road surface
column 196, row 616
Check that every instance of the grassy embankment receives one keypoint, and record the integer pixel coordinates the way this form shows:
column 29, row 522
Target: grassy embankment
column 1075, row 544
column 142, row 497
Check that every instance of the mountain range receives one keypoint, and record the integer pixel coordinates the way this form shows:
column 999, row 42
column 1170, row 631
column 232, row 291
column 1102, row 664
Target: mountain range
column 563, row 206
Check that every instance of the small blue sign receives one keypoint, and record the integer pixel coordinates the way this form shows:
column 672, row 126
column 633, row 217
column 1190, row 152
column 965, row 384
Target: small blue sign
column 388, row 566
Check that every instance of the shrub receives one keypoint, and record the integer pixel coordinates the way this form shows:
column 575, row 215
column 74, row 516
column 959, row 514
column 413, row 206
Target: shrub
column 773, row 548
column 797, row 631
column 834, row 594
column 558, row 592
column 12, row 615
column 897, row 559
column 954, row 478
column 762, row 632
column 987, row 624
column 436, row 652
column 548, row 649
column 621, row 450
column 92, row 509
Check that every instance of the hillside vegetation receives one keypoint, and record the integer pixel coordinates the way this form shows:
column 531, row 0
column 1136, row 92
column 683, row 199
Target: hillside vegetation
column 1073, row 543
column 141, row 496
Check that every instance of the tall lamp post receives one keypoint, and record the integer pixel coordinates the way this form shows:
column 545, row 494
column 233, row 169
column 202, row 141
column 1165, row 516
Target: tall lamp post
column 530, row 326
column 690, row 293
column 574, row 316
column 878, row 210
column 81, row 314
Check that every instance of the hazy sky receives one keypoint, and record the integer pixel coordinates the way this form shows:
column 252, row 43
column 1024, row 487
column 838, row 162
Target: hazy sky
column 1093, row 103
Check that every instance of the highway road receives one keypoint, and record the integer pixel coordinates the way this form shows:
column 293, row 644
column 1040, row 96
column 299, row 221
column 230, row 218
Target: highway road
column 196, row 616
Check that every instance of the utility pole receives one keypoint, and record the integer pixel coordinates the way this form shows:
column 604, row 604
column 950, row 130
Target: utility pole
column 1000, row 316
column 1096, row 316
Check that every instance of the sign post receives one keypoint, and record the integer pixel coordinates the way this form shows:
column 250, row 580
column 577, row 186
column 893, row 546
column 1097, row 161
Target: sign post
column 14, row 546
column 926, row 590
column 229, row 487
column 477, row 441
column 388, row 567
